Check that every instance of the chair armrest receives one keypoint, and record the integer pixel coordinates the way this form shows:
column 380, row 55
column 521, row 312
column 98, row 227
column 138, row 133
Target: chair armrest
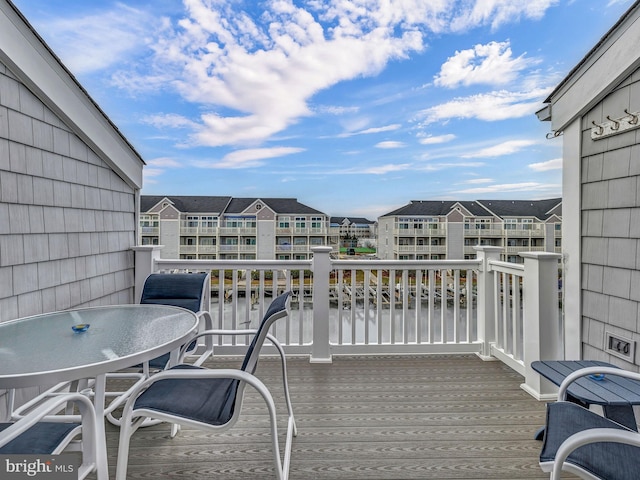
column 585, row 437
column 52, row 405
column 583, row 372
column 208, row 321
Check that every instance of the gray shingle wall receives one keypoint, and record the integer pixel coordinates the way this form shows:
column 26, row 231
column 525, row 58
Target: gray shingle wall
column 67, row 221
column 610, row 197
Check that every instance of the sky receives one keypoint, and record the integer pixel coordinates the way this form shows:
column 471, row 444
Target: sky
column 353, row 107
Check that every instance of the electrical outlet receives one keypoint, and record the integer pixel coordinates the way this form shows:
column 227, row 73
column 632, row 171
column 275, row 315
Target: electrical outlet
column 619, row 346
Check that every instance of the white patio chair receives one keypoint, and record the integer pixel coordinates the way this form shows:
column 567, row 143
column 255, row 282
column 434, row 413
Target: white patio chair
column 186, row 290
column 42, row 432
column 579, row 441
column 210, row 400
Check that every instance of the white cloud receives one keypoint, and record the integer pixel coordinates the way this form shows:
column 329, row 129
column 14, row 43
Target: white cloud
column 555, row 164
column 434, row 167
column 432, row 140
column 477, row 181
column 493, row 106
column 382, row 169
column 510, row 187
column 251, row 157
column 389, row 145
column 164, row 162
column 95, row 42
column 169, row 120
column 490, row 64
column 499, row 12
column 254, row 76
column 501, row 149
column 369, row 131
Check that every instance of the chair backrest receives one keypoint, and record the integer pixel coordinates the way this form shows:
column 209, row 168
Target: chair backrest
column 279, row 308
column 186, row 290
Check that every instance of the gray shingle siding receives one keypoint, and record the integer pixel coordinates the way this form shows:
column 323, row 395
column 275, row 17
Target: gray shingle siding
column 67, row 220
column 610, row 207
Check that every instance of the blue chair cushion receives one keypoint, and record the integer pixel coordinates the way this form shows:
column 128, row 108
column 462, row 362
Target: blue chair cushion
column 41, row 439
column 177, row 289
column 606, row 460
column 207, row 400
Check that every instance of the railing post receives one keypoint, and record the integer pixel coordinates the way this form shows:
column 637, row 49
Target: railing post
column 320, row 349
column 486, row 299
column 145, row 258
column 542, row 331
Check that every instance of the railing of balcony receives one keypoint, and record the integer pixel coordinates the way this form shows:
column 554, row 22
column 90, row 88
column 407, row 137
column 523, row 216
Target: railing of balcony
column 381, row 306
column 439, row 249
column 440, row 231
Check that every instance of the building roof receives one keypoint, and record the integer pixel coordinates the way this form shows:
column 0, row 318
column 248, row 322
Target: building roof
column 186, row 204
column 540, row 209
column 211, row 204
column 435, row 208
column 289, row 205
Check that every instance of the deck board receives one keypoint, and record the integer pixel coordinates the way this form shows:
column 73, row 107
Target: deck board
column 379, row 417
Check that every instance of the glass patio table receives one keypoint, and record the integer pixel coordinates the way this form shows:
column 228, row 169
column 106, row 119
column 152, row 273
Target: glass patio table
column 45, row 350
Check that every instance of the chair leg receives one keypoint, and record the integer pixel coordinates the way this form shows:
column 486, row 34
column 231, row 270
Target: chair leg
column 126, row 430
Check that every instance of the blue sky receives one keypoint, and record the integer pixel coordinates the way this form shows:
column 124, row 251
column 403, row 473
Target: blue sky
column 354, row 107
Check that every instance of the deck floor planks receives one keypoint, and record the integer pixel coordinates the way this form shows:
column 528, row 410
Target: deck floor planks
column 364, row 417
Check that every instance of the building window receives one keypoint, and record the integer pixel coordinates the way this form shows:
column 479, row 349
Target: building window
column 301, row 222
column 316, row 222
column 284, row 222
column 209, row 221
column 148, row 221
column 192, row 222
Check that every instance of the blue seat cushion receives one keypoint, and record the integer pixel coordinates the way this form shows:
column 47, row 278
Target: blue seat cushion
column 605, row 460
column 206, row 400
column 41, row 439
column 177, row 289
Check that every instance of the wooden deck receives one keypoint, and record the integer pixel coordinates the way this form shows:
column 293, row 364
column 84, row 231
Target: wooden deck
column 379, row 417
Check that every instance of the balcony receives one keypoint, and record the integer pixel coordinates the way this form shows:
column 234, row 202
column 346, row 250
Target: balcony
column 237, row 231
column 441, row 231
column 421, row 249
column 483, row 232
column 365, row 418
column 150, row 230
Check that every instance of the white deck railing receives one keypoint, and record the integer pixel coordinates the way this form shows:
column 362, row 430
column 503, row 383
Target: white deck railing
column 495, row 309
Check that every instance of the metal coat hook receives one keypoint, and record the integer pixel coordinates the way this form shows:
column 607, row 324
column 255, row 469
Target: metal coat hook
column 554, row 134
column 616, row 123
column 634, row 117
column 599, row 127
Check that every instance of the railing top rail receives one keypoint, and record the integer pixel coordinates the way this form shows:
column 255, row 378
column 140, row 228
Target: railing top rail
column 232, row 264
column 408, row 264
column 507, row 267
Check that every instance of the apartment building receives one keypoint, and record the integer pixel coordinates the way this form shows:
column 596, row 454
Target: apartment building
column 224, row 227
column 438, row 230
column 357, row 229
